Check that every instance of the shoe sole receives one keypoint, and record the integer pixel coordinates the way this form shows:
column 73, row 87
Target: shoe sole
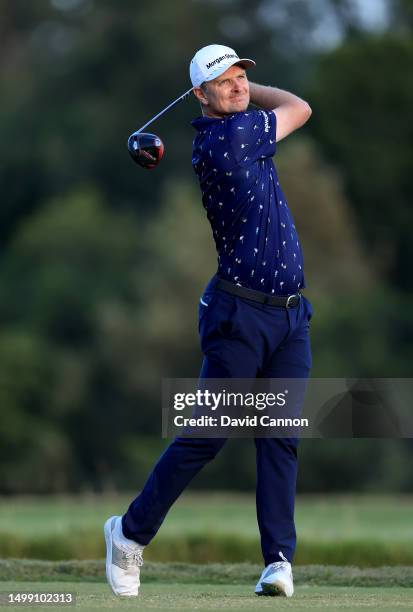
column 274, row 589
column 108, row 539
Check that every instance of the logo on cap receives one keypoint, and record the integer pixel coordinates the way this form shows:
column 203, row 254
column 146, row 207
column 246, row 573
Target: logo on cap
column 218, row 60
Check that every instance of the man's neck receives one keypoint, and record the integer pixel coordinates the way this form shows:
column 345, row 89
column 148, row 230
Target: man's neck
column 213, row 115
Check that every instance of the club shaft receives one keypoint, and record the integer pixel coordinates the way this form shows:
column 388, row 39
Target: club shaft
column 182, row 97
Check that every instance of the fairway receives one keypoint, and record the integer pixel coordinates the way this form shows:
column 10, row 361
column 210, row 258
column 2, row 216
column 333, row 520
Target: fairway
column 215, row 597
column 332, row 516
column 202, row 528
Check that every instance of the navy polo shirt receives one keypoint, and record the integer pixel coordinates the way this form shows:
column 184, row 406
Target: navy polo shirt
column 253, row 229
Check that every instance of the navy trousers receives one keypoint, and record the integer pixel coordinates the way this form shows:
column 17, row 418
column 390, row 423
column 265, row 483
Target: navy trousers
column 240, row 339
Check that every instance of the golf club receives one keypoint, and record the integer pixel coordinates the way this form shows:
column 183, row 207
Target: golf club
column 147, row 149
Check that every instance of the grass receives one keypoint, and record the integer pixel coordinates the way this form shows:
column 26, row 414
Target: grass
column 216, row 597
column 364, row 531
column 212, row 573
column 348, row 517
column 214, row 586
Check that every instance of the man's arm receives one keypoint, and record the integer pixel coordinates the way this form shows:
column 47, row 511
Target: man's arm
column 291, row 111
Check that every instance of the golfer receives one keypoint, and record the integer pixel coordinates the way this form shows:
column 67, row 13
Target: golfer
column 253, row 318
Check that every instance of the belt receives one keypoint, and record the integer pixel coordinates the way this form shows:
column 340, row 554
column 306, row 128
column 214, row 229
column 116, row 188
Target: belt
column 287, row 301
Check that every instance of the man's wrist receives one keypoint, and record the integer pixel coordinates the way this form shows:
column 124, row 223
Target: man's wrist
column 258, row 94
column 267, row 97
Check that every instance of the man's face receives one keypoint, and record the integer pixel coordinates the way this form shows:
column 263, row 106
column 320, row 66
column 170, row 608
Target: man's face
column 229, row 93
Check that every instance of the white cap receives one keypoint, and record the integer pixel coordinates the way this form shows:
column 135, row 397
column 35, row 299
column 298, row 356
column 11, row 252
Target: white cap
column 211, row 61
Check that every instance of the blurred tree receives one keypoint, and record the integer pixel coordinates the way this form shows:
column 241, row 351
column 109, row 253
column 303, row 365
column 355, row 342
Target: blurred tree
column 78, row 77
column 363, row 102
column 112, row 315
column 337, row 465
column 71, row 255
column 64, row 259
column 401, row 16
column 325, row 221
column 99, row 287
column 34, row 450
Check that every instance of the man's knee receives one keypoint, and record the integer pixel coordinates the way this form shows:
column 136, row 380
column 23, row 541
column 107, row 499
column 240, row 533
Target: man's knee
column 201, row 447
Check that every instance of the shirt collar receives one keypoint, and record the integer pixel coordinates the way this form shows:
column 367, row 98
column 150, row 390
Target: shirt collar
column 201, row 123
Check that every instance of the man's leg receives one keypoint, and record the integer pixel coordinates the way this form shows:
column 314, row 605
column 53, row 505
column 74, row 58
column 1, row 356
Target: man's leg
column 277, row 457
column 178, row 465
column 227, row 355
column 126, row 536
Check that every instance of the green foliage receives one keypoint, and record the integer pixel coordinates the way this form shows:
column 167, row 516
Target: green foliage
column 325, row 222
column 103, row 264
column 33, row 448
column 65, row 261
column 362, row 97
column 96, row 318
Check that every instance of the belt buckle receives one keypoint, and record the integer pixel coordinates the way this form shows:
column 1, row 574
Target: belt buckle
column 289, row 298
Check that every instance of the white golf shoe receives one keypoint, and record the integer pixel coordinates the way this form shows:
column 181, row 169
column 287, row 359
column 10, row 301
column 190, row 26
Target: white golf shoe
column 123, row 560
column 276, row 579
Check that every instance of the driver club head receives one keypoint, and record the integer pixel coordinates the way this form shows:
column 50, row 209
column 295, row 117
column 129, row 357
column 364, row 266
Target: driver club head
column 145, row 149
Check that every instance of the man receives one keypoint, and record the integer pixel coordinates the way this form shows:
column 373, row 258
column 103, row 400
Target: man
column 253, row 320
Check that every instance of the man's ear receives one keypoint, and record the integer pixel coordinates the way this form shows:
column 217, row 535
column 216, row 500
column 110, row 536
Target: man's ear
column 200, row 95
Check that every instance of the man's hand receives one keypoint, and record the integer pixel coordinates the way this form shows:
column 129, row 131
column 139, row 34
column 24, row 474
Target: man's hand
column 291, row 111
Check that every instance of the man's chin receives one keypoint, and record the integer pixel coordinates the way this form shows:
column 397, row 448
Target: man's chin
column 240, row 107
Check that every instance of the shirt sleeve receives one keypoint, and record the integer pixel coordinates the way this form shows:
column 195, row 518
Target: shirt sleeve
column 252, row 135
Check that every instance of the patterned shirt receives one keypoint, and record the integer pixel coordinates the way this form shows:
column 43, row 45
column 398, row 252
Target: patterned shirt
column 253, row 229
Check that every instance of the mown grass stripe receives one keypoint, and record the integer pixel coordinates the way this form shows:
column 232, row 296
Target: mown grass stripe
column 26, row 570
column 210, row 548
